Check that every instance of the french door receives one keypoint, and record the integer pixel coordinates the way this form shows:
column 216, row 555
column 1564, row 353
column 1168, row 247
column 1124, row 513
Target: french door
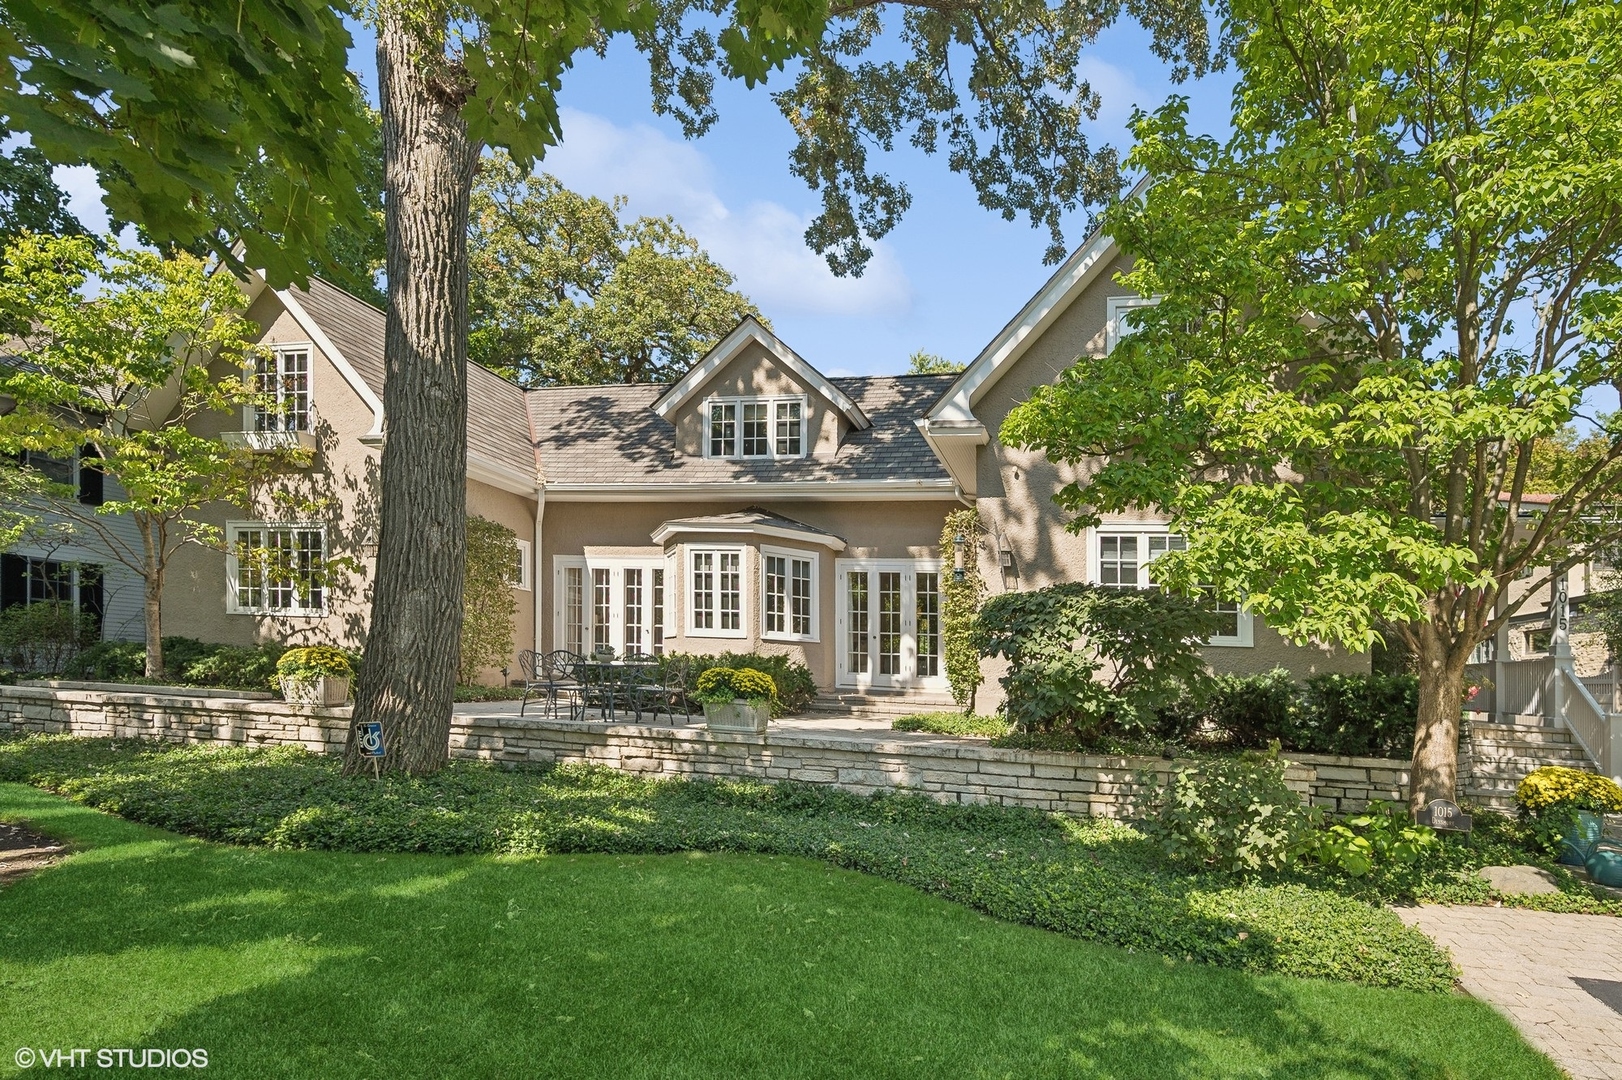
column 888, row 623
column 618, row 605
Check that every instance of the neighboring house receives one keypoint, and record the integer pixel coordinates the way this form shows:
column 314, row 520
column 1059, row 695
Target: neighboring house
column 755, row 504
column 53, row 565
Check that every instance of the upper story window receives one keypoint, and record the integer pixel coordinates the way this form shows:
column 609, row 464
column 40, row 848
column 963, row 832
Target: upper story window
column 283, row 377
column 757, row 427
column 1123, row 560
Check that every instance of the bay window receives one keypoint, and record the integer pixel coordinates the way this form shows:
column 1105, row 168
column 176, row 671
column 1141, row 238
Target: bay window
column 715, row 592
column 788, row 595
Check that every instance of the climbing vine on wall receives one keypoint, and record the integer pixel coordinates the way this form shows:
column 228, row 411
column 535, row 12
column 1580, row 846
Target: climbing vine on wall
column 487, row 599
column 960, row 605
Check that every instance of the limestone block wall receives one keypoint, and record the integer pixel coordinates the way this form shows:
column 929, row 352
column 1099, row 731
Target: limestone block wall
column 948, row 770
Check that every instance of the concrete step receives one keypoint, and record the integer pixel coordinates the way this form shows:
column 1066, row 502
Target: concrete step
column 880, row 703
column 1520, row 734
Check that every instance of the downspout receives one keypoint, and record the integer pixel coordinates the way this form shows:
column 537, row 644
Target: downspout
column 535, row 562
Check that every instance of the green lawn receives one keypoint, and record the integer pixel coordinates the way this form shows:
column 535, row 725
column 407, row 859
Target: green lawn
column 289, row 964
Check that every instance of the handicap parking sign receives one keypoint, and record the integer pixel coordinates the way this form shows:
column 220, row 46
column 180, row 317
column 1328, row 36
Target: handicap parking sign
column 371, row 739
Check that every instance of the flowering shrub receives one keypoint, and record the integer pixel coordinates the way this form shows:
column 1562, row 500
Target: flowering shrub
column 1554, row 786
column 718, row 686
column 314, row 661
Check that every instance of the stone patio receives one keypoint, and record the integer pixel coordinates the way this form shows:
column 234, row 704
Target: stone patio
column 1557, row 977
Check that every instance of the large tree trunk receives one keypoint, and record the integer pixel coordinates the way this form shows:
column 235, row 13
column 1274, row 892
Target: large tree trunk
column 409, row 673
column 1435, row 768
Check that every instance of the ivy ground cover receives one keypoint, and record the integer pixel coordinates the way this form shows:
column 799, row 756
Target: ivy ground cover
column 295, row 964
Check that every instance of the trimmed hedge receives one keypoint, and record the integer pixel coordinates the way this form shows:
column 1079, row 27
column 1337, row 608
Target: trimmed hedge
column 1091, row 879
column 1349, row 715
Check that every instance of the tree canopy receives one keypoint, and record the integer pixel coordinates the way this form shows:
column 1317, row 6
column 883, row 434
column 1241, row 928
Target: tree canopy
column 1378, row 299
column 117, row 378
column 30, row 199
column 927, row 363
column 563, row 291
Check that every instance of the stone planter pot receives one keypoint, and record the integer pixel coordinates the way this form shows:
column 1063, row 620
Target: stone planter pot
column 325, row 690
column 736, row 715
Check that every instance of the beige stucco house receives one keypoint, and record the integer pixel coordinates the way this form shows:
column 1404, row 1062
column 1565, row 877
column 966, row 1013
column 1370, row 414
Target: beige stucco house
column 756, row 504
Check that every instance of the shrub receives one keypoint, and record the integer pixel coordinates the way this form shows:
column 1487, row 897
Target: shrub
column 960, row 605
column 1358, row 715
column 952, row 723
column 1554, row 787
column 108, row 661
column 720, row 685
column 796, row 688
column 313, row 661
column 1094, row 660
column 1254, row 710
column 44, row 637
column 1349, row 715
column 243, row 667
column 1228, row 813
column 488, row 604
column 1382, row 836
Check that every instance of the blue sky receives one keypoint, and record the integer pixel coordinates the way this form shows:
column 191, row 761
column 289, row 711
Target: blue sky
column 945, row 280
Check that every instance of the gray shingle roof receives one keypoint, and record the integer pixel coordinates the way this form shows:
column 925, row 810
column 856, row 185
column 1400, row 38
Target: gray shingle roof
column 610, row 434
column 498, row 426
column 747, row 518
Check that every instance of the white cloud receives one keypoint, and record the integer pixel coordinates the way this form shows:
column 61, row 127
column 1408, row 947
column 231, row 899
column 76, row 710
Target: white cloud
column 1119, row 92
column 762, row 243
column 78, row 182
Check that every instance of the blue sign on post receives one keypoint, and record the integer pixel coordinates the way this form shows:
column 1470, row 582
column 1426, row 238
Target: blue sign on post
column 371, row 740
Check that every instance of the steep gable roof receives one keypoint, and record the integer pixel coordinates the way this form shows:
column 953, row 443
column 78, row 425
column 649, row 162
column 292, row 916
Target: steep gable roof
column 747, row 331
column 610, row 438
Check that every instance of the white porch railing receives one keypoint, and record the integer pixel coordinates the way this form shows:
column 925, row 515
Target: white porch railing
column 1550, row 690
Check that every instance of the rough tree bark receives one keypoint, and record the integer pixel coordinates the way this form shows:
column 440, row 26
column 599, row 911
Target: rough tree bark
column 409, row 672
column 1434, row 771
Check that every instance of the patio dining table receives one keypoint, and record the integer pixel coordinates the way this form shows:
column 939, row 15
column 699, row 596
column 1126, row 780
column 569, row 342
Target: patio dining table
column 607, row 678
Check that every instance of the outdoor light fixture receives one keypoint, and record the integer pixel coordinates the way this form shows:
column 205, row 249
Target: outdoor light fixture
column 8, row 404
column 958, row 542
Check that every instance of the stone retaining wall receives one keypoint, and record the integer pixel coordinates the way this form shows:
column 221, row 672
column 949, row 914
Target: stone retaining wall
column 949, row 770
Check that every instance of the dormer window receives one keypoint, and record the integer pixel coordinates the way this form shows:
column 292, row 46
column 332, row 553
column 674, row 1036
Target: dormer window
column 283, row 377
column 757, row 427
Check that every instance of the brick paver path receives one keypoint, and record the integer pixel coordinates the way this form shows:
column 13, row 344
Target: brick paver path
column 1551, row 974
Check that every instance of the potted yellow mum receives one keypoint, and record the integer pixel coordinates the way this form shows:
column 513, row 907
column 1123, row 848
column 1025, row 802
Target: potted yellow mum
column 736, row 699
column 317, row 675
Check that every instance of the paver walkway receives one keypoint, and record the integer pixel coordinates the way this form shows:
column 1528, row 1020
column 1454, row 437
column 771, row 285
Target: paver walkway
column 1558, row 977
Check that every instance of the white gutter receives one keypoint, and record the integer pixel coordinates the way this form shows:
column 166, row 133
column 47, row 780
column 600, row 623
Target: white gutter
column 859, row 491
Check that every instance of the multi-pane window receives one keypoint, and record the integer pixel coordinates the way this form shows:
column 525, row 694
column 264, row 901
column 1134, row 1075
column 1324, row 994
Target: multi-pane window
column 520, row 570
column 602, row 603
column 755, row 442
column 574, row 609
column 282, row 379
column 1125, row 560
column 789, row 440
column 757, row 427
column 724, row 429
column 856, row 616
column 633, row 607
column 715, row 591
column 788, row 593
column 889, row 623
column 1118, row 561
column 658, row 611
column 49, row 581
column 928, row 605
column 278, row 569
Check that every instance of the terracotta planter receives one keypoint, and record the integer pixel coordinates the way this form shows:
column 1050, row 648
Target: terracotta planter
column 737, row 715
column 324, row 690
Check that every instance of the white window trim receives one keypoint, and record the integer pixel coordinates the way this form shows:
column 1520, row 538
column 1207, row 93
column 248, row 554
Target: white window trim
column 909, row 644
column 1114, row 308
column 688, row 625
column 788, row 616
column 250, row 420
column 233, row 569
column 1245, row 639
column 771, row 402
column 526, row 571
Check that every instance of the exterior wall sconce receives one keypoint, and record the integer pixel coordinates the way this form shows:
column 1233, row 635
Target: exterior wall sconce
column 1005, row 559
column 958, row 543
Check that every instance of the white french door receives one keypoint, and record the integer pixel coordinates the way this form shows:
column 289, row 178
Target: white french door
column 888, row 623
column 618, row 605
